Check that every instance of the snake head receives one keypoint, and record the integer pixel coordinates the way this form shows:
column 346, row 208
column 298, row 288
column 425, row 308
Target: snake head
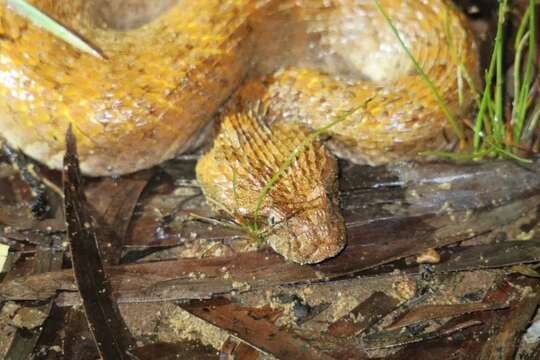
column 298, row 215
column 309, row 231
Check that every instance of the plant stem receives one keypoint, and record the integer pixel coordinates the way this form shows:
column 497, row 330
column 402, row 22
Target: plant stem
column 39, row 18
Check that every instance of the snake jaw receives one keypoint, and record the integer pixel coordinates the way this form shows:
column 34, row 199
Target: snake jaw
column 312, row 234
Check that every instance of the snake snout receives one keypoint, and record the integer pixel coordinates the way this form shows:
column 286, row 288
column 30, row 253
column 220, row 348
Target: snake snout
column 310, row 236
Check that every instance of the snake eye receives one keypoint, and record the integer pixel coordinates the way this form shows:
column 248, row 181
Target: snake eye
column 272, row 218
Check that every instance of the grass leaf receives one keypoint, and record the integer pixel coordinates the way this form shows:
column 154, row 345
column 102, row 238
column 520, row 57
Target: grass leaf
column 523, row 92
column 39, row 18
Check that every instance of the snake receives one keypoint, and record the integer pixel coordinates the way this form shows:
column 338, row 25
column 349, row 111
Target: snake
column 269, row 72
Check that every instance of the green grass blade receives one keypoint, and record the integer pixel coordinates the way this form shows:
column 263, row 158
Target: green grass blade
column 524, row 91
column 498, row 119
column 519, row 48
column 481, row 123
column 218, row 222
column 510, row 155
column 458, row 128
column 235, row 190
column 520, row 42
column 456, row 156
column 37, row 17
column 533, row 123
column 462, row 71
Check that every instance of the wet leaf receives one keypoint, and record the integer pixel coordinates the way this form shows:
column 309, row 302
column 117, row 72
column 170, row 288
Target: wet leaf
column 259, row 333
column 504, row 344
column 106, row 324
column 369, row 311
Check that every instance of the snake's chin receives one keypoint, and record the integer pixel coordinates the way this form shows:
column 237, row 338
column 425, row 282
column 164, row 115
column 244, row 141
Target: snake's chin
column 311, row 237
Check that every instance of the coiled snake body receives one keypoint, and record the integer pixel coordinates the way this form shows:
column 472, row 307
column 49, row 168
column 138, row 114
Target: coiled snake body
column 287, row 67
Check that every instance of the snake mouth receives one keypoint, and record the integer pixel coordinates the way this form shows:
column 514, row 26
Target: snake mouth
column 311, row 237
